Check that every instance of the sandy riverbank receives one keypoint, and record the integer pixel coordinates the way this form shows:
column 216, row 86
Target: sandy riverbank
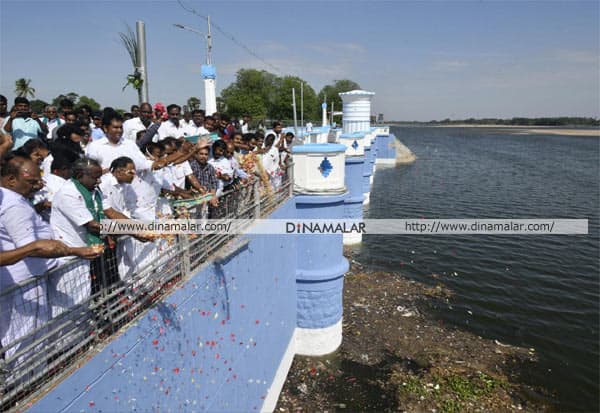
column 396, row 357
column 527, row 130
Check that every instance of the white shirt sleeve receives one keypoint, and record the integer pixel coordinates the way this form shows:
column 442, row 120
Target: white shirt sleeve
column 187, row 169
column 19, row 225
column 140, row 161
column 72, row 205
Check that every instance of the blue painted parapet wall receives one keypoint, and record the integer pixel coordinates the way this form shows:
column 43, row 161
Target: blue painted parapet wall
column 222, row 342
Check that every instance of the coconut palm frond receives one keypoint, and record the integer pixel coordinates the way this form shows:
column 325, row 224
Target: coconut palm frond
column 22, row 88
column 129, row 41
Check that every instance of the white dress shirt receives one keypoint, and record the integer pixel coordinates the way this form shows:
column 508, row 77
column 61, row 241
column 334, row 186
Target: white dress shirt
column 105, row 152
column 131, row 127
column 222, row 167
column 52, row 183
column 120, row 197
column 25, row 309
column 71, row 285
column 147, row 190
column 193, row 130
column 46, row 166
column 20, row 225
column 68, row 216
column 175, row 174
column 168, row 128
column 53, row 124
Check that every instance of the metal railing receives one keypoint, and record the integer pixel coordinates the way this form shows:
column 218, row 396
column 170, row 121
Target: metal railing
column 52, row 323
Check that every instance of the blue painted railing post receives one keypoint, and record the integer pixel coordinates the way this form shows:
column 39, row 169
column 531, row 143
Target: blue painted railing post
column 367, row 170
column 320, row 192
column 355, row 160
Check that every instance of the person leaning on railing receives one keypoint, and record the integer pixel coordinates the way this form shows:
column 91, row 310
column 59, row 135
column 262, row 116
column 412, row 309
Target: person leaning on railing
column 21, row 230
column 45, row 248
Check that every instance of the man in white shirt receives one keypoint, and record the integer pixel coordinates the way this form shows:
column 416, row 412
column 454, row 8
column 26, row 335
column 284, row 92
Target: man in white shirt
column 26, row 308
column 172, row 127
column 119, row 202
column 244, row 124
column 61, row 171
column 113, row 145
column 51, row 120
column 76, row 222
column 132, row 126
column 196, row 125
column 277, row 131
column 179, row 173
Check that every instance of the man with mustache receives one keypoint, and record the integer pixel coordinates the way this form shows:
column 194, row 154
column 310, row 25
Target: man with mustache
column 172, row 127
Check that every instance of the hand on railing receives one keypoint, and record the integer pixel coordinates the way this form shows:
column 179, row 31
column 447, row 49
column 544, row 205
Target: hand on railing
column 47, row 248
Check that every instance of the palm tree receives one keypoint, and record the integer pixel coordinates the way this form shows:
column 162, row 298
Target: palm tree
column 129, row 41
column 22, row 88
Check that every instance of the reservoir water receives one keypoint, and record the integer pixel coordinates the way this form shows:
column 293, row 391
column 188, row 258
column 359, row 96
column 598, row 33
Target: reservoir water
column 534, row 291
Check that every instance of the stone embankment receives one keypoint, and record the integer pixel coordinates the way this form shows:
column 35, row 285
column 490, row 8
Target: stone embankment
column 403, row 154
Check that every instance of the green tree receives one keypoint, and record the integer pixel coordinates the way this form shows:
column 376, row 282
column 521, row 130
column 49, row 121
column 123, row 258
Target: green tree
column 264, row 95
column 38, row 105
column 23, row 88
column 84, row 100
column 72, row 96
column 252, row 93
column 283, row 109
column 193, row 103
column 330, row 93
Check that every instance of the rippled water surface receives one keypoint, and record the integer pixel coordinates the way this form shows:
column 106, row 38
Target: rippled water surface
column 533, row 291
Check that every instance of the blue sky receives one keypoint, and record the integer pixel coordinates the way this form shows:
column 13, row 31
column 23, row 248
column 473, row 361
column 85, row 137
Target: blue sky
column 424, row 60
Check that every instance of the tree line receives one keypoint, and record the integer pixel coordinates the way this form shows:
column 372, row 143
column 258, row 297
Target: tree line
column 257, row 93
column 517, row 121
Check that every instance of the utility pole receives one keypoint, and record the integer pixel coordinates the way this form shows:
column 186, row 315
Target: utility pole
column 141, row 63
column 208, row 71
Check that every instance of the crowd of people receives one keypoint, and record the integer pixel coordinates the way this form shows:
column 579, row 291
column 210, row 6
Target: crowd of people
column 65, row 170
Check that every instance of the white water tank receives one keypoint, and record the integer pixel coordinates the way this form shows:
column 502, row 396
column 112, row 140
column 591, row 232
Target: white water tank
column 356, row 111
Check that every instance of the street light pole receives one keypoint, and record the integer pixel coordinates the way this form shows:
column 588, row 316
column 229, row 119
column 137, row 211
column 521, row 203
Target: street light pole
column 209, row 73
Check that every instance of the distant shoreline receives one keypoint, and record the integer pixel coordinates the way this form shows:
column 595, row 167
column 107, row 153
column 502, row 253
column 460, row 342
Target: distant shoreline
column 527, row 130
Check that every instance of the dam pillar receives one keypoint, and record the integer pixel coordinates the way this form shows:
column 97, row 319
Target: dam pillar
column 355, row 160
column 357, row 118
column 385, row 146
column 320, row 192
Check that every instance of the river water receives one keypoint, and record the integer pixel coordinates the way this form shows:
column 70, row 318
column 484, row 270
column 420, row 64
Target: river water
column 535, row 291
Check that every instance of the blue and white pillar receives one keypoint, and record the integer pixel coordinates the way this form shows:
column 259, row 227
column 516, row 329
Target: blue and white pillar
column 209, row 75
column 319, row 172
column 355, row 161
column 367, row 170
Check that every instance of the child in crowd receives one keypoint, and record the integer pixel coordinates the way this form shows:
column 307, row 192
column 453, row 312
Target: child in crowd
column 222, row 166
